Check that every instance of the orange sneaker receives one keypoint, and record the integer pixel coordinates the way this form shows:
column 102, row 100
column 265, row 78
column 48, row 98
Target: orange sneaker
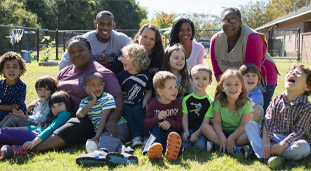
column 155, row 151
column 173, row 146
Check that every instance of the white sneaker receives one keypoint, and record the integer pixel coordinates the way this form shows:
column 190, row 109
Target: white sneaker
column 90, row 146
column 209, row 146
column 137, row 142
column 145, row 141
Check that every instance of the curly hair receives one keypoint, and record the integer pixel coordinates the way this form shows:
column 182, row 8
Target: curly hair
column 9, row 56
column 307, row 71
column 158, row 51
column 176, row 28
column 222, row 97
column 138, row 55
column 46, row 81
column 184, row 72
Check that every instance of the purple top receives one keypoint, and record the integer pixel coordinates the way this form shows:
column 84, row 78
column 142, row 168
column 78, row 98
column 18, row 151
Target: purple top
column 70, row 79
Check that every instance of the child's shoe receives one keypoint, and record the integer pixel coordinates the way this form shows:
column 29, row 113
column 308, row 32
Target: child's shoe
column 247, row 152
column 209, row 146
column 173, row 146
column 97, row 157
column 275, row 162
column 8, row 152
column 90, row 146
column 145, row 141
column 114, row 158
column 137, row 142
column 155, row 151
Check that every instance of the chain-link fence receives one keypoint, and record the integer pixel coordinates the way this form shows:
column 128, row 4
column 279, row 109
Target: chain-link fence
column 283, row 43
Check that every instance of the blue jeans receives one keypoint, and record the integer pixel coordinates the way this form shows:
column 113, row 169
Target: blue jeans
column 201, row 143
column 159, row 135
column 135, row 115
column 267, row 96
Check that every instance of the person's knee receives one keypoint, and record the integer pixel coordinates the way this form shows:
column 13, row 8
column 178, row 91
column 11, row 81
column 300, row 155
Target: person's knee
column 200, row 144
column 251, row 126
column 303, row 148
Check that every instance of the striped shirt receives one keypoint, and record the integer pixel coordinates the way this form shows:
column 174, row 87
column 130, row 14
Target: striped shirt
column 106, row 101
column 291, row 119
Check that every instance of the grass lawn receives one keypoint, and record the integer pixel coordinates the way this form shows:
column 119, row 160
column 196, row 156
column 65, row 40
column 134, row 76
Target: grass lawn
column 193, row 159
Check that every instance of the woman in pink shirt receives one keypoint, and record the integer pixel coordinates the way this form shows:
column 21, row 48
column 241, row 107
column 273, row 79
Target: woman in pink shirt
column 238, row 44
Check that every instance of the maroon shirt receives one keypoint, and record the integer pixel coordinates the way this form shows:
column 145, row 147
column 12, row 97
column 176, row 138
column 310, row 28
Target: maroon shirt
column 173, row 109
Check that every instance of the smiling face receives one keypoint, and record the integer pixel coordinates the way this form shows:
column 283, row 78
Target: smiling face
column 231, row 24
column 104, row 26
column 232, row 87
column 97, row 86
column 295, row 81
column 185, row 32
column 43, row 93
column 58, row 107
column 79, row 54
column 250, row 80
column 147, row 39
column 201, row 80
column 169, row 92
column 177, row 60
column 11, row 71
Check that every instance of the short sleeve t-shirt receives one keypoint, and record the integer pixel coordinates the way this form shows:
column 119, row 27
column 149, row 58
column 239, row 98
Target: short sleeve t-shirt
column 230, row 121
column 197, row 108
column 106, row 101
column 134, row 85
column 256, row 96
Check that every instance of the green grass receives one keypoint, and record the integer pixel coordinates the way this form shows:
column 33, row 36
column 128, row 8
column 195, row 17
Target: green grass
column 192, row 159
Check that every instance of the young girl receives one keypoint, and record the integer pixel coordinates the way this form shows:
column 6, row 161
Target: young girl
column 232, row 111
column 28, row 137
column 175, row 62
column 45, row 86
column 12, row 89
column 137, row 85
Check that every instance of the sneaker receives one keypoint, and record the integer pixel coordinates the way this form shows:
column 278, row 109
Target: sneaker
column 173, row 146
column 8, row 152
column 275, row 162
column 137, row 142
column 115, row 158
column 247, row 152
column 209, row 146
column 155, row 151
column 145, row 141
column 97, row 157
column 90, row 146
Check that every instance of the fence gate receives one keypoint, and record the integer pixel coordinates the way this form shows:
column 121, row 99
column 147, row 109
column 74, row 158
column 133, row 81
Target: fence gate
column 283, row 43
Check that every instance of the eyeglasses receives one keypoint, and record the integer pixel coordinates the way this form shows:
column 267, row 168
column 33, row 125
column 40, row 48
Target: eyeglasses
column 231, row 20
column 147, row 38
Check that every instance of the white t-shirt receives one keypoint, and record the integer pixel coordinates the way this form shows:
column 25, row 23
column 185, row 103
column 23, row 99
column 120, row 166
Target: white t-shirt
column 112, row 48
column 197, row 54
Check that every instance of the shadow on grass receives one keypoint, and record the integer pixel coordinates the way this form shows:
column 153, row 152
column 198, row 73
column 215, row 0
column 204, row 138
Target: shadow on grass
column 196, row 154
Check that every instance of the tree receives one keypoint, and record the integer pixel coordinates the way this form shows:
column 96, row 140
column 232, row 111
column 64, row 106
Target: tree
column 163, row 20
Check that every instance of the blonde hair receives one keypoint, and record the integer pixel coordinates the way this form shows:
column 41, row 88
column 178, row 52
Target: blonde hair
column 202, row 67
column 222, row 97
column 160, row 78
column 138, row 55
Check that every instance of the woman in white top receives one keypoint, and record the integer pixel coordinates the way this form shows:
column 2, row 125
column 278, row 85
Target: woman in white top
column 183, row 32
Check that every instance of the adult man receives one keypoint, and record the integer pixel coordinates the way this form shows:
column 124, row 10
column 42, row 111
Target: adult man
column 105, row 42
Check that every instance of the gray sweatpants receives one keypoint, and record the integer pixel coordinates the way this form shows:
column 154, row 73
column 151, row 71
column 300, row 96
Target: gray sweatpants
column 296, row 151
column 13, row 121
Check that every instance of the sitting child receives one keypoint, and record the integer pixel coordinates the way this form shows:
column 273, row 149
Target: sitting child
column 45, row 86
column 285, row 132
column 26, row 138
column 12, row 89
column 98, row 106
column 136, row 84
column 196, row 107
column 251, row 76
column 232, row 111
column 163, row 118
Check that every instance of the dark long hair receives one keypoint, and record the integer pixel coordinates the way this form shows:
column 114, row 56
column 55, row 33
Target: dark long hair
column 176, row 28
column 157, row 54
column 57, row 97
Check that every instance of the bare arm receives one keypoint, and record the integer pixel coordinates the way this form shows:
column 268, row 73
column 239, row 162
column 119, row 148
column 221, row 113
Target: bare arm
column 82, row 112
column 114, row 117
column 218, row 129
column 8, row 108
column 185, row 127
column 102, row 124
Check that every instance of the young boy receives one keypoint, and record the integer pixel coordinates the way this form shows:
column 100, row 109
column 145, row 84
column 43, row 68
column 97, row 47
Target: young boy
column 163, row 118
column 196, row 107
column 251, row 76
column 98, row 106
column 286, row 126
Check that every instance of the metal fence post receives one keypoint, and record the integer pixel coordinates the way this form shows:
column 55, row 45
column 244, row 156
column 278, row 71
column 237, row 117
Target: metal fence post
column 298, row 53
column 38, row 40
column 64, row 41
column 271, row 45
column 56, row 41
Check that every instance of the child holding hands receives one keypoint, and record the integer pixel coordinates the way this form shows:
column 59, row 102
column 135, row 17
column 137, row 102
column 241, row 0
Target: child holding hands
column 196, row 109
column 285, row 132
column 163, row 118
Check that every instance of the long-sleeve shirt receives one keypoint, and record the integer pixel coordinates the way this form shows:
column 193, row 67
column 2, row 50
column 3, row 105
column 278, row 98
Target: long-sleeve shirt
column 173, row 109
column 44, row 132
column 40, row 112
column 291, row 119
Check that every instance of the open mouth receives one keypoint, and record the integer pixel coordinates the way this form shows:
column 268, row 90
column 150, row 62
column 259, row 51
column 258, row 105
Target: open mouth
column 250, row 83
column 291, row 80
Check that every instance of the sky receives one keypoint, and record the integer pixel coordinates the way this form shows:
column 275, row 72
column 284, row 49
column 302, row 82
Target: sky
column 189, row 6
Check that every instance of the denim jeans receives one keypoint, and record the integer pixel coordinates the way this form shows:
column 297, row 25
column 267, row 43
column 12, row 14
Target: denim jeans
column 135, row 115
column 267, row 96
column 201, row 143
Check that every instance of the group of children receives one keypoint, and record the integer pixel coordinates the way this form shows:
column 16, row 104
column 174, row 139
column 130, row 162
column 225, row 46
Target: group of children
column 181, row 114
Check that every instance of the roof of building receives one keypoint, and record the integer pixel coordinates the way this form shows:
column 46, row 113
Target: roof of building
column 302, row 11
